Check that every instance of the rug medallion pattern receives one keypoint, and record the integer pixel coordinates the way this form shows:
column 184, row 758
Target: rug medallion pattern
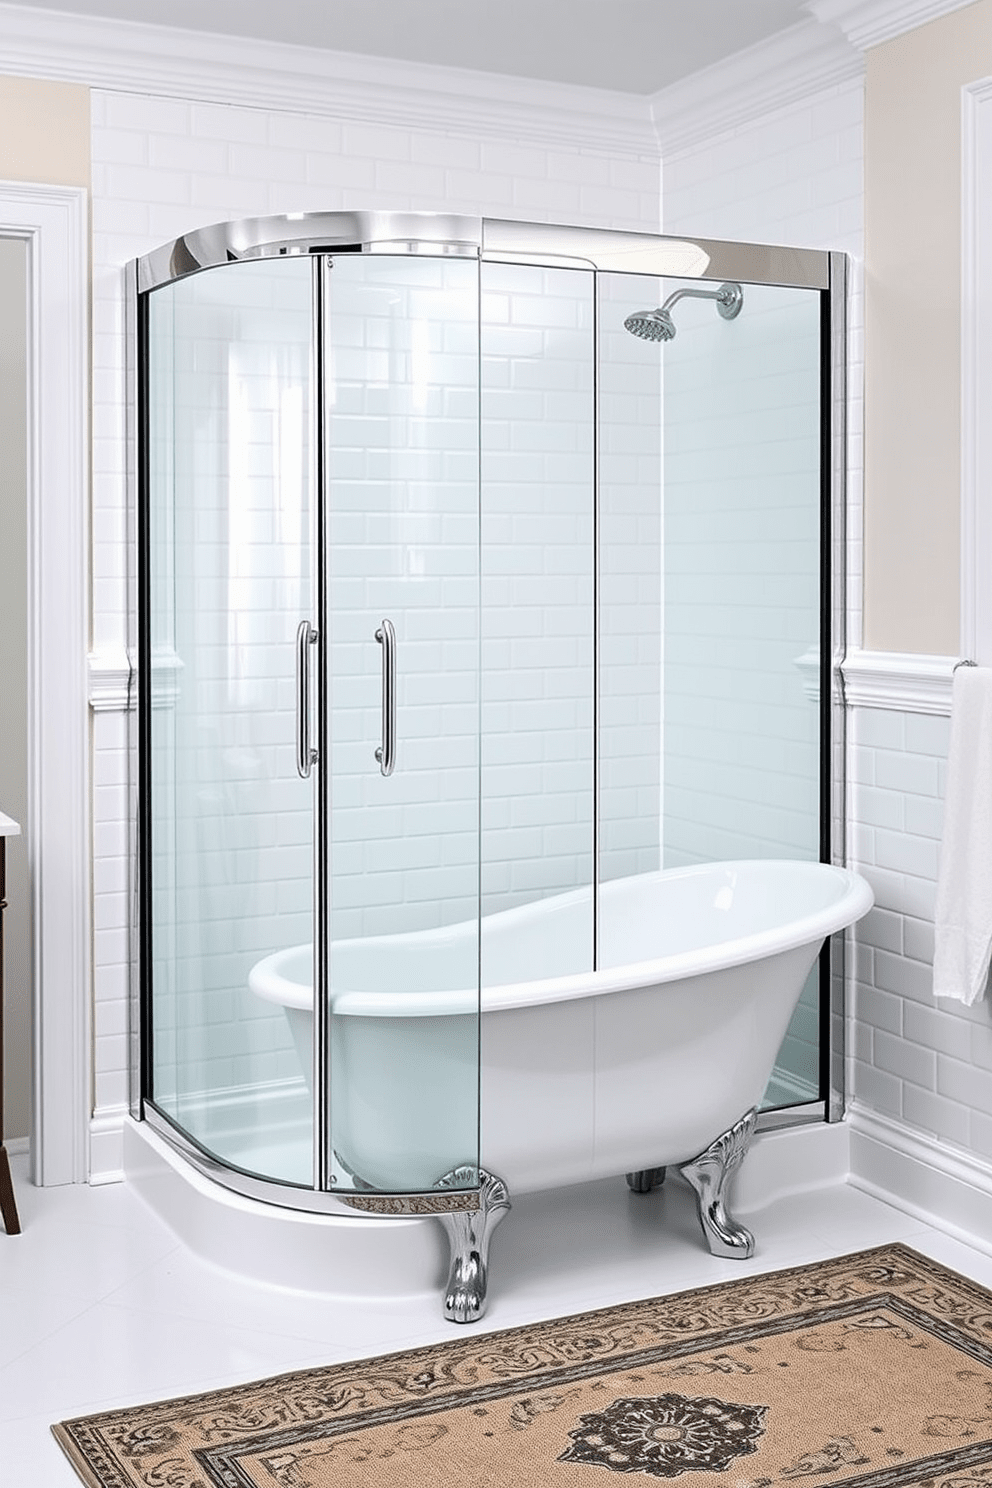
column 868, row 1371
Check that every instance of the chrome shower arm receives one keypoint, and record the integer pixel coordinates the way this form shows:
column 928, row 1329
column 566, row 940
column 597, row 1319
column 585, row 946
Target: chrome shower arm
column 725, row 295
column 728, row 297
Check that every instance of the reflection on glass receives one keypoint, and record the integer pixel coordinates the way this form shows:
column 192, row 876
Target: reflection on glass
column 229, row 523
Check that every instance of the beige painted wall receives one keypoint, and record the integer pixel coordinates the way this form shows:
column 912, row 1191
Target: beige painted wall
column 912, row 329
column 45, row 138
column 44, row 132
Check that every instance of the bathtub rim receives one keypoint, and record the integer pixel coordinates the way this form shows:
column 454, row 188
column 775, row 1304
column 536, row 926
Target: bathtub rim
column 855, row 900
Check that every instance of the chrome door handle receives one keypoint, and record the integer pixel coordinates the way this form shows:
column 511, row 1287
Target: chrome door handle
column 306, row 756
column 386, row 753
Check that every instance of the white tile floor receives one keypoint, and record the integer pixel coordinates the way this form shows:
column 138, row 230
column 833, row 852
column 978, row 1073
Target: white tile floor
column 101, row 1306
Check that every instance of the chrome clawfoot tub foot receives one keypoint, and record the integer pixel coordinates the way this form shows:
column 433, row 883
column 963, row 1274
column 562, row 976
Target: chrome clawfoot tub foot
column 469, row 1235
column 645, row 1179
column 709, row 1174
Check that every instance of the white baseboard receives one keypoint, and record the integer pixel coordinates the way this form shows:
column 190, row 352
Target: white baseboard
column 107, row 1146
column 948, row 1189
column 18, row 1146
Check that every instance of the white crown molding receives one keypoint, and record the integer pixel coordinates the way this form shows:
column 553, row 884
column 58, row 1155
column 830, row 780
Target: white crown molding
column 908, row 683
column 131, row 57
column 917, row 1173
column 784, row 69
column 866, row 23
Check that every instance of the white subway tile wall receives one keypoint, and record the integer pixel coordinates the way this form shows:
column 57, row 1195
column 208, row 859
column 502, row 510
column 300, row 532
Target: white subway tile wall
column 924, row 1061
column 794, row 176
column 110, row 908
column 537, row 584
column 742, row 600
column 742, row 579
column 403, row 545
column 631, row 683
column 162, row 167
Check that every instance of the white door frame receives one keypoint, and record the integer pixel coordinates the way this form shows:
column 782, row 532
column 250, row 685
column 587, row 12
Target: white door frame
column 52, row 223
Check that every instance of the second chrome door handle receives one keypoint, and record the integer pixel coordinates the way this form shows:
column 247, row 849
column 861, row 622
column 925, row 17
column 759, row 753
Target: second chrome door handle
column 386, row 752
column 306, row 755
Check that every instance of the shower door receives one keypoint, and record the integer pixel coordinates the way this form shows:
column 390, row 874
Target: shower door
column 312, row 505
column 400, row 338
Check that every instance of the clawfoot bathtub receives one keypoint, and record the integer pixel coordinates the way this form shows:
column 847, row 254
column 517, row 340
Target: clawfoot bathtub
column 657, row 1059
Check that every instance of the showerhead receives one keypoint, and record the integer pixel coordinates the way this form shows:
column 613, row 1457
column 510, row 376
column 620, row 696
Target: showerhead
column 651, row 325
column 658, row 325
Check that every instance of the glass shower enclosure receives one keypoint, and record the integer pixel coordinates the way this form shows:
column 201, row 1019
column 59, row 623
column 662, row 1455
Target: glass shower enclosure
column 461, row 585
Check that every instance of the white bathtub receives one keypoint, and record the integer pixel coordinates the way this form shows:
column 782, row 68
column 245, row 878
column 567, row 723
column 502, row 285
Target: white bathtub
column 636, row 1066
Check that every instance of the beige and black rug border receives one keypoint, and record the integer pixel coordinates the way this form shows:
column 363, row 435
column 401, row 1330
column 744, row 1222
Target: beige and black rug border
column 203, row 1439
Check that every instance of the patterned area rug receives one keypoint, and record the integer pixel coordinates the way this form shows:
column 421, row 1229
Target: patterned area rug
column 872, row 1370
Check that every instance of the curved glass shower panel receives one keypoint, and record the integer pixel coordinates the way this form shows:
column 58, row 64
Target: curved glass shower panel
column 401, row 442
column 631, row 590
column 229, row 576
column 538, row 620
column 743, row 613
column 710, row 593
column 742, row 518
column 560, row 534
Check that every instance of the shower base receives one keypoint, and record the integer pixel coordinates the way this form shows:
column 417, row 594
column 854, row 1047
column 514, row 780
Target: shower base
column 384, row 1258
column 269, row 1243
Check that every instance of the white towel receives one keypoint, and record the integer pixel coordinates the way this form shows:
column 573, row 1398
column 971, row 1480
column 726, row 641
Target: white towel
column 963, row 913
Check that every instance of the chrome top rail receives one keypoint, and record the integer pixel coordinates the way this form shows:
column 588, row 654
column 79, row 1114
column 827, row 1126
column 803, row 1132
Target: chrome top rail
column 653, row 253
column 302, row 233
column 438, row 234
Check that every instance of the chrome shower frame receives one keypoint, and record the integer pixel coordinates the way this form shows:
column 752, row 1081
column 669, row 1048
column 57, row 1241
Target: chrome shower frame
column 542, row 245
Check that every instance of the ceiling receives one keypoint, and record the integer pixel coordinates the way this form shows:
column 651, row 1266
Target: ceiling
column 635, row 46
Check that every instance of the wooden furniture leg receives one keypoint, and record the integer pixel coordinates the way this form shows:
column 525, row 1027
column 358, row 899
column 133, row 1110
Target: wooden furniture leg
column 8, row 1205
